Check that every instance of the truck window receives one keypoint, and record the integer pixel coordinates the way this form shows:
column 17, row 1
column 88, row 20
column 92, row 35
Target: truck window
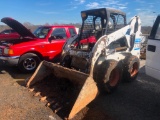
column 12, row 31
column 59, row 33
column 41, row 32
column 6, row 32
column 157, row 36
column 72, row 31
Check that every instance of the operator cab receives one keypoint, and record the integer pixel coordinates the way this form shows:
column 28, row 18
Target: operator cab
column 98, row 22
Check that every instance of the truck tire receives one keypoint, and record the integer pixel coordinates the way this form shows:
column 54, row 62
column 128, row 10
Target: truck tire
column 28, row 62
column 131, row 68
column 109, row 76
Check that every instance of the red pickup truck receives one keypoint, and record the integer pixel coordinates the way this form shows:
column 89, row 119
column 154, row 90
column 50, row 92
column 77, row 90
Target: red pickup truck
column 45, row 43
column 9, row 34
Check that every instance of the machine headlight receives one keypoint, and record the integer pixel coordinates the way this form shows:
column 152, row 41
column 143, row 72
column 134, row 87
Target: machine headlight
column 8, row 51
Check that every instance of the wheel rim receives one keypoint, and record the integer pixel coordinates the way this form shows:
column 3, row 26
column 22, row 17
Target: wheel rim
column 114, row 77
column 29, row 64
column 134, row 69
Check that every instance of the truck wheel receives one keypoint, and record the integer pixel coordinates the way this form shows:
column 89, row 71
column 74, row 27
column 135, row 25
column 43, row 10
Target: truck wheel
column 109, row 75
column 131, row 69
column 28, row 62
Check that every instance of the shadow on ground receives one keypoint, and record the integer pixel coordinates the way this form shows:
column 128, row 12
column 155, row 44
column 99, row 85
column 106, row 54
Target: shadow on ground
column 137, row 100
column 14, row 72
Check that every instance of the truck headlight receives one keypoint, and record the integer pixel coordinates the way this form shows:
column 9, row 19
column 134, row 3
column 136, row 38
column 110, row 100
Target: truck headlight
column 8, row 51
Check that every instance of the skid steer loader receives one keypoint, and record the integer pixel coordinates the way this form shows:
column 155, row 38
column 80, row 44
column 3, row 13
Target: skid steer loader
column 105, row 51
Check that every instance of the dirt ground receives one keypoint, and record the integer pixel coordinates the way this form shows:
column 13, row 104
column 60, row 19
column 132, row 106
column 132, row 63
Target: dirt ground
column 16, row 103
column 138, row 100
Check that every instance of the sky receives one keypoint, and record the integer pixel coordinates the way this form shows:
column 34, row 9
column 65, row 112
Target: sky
column 39, row 12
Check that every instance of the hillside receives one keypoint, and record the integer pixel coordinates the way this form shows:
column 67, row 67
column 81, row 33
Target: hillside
column 145, row 29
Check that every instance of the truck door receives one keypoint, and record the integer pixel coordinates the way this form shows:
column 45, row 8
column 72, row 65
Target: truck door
column 56, row 41
column 153, row 51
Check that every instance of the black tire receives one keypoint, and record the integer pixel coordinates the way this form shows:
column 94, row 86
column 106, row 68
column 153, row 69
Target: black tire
column 109, row 75
column 131, row 68
column 28, row 62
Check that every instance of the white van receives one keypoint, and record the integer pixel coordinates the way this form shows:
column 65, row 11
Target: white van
column 153, row 51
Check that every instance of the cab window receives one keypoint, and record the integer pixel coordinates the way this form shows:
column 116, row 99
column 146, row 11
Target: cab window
column 72, row 31
column 41, row 32
column 59, row 33
column 155, row 32
column 5, row 32
column 121, row 42
column 116, row 22
column 157, row 36
column 12, row 31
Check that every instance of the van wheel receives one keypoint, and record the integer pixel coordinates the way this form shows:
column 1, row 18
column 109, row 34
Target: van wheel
column 28, row 62
column 131, row 69
column 109, row 76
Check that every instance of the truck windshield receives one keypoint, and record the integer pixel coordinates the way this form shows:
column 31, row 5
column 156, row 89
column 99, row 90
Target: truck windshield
column 41, row 32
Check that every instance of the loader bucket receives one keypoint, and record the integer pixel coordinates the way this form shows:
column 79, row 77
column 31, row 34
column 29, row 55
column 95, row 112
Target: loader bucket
column 82, row 89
